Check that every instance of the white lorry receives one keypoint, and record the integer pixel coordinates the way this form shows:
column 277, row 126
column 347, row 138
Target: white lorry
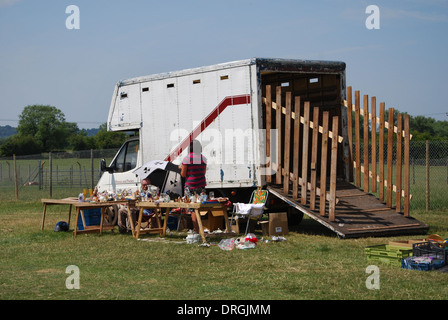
column 221, row 106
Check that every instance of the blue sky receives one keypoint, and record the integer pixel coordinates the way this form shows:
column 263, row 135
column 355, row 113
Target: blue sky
column 404, row 63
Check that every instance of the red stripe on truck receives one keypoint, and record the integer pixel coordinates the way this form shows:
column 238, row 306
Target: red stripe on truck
column 227, row 101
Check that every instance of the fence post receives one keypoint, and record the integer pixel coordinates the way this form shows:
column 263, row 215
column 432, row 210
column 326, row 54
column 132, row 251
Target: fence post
column 427, row 175
column 373, row 143
column 350, row 133
column 407, row 187
column 390, row 141
column 333, row 169
column 39, row 174
column 15, row 178
column 366, row 143
column 398, row 170
column 357, row 141
column 91, row 162
column 80, row 173
column 381, row 151
column 51, row 173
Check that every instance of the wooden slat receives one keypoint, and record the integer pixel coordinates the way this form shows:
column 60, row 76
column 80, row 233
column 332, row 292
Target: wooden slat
column 295, row 182
column 366, row 143
column 386, row 123
column 268, row 133
column 390, row 140
column 357, row 142
column 373, row 130
column 278, row 126
column 398, row 166
column 385, row 227
column 318, row 191
column 350, row 134
column 314, row 158
column 323, row 165
column 374, row 210
column 306, row 130
column 302, row 120
column 287, row 143
column 394, row 187
column 406, row 166
column 381, row 152
column 333, row 171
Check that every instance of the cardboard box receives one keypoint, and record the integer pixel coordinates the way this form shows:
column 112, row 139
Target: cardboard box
column 276, row 226
column 212, row 220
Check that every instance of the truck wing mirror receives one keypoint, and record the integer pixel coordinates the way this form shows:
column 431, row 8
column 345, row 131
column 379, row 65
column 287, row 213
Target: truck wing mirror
column 103, row 166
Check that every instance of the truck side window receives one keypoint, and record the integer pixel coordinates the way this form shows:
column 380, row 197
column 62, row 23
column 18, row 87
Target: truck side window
column 127, row 158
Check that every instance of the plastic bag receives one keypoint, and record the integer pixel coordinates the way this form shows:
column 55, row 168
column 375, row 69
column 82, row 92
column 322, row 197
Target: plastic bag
column 246, row 245
column 193, row 238
column 250, row 237
column 227, row 244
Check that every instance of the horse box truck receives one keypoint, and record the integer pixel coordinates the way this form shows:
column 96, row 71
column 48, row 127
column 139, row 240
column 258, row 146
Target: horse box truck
column 222, row 107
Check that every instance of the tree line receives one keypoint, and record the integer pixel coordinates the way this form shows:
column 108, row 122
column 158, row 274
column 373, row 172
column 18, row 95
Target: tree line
column 422, row 128
column 43, row 128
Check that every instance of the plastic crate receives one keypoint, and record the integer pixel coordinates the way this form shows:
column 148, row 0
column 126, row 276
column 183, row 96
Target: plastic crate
column 430, row 249
column 92, row 217
column 391, row 255
column 422, row 263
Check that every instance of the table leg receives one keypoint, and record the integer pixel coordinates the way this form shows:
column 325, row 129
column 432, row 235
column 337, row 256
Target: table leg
column 140, row 214
column 83, row 219
column 101, row 222
column 69, row 215
column 165, row 222
column 131, row 221
column 43, row 216
column 76, row 224
column 226, row 220
column 157, row 215
column 201, row 228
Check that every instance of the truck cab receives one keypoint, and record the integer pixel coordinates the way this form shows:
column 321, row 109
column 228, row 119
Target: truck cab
column 119, row 174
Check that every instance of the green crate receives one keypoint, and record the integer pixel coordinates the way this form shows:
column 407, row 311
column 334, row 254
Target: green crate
column 391, row 255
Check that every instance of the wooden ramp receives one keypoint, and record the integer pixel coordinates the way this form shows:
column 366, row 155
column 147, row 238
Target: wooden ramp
column 358, row 214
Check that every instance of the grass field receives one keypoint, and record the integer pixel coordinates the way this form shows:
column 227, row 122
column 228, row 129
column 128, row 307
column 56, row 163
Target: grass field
column 311, row 264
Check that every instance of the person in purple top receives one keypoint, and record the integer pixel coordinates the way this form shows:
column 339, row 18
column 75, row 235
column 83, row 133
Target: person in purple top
column 193, row 169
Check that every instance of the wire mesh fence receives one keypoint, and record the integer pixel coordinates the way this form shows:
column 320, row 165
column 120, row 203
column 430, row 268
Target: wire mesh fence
column 428, row 173
column 81, row 169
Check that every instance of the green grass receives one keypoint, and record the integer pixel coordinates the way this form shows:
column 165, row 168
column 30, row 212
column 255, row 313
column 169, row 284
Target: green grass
column 312, row 264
